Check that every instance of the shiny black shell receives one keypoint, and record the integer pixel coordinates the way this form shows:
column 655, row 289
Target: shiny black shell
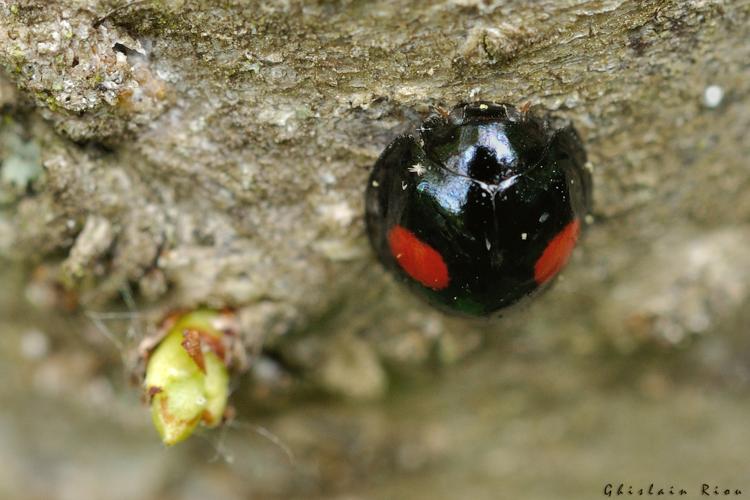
column 481, row 207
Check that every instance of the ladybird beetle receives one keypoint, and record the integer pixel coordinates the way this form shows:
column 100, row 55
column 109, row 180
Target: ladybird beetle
column 481, row 207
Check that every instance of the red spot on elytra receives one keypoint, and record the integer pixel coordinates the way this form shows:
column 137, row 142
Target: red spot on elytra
column 557, row 252
column 418, row 259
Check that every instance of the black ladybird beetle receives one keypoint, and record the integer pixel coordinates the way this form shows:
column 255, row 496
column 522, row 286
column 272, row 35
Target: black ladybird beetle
column 482, row 208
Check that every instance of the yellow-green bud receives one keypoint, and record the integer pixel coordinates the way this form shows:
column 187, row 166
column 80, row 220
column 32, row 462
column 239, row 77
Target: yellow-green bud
column 187, row 379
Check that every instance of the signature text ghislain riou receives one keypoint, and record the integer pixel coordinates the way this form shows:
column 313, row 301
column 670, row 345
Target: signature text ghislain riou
column 707, row 490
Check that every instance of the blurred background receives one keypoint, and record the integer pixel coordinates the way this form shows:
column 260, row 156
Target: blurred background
column 535, row 416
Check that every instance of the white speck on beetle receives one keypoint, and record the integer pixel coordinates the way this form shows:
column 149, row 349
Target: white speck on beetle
column 417, row 169
column 483, row 107
column 712, row 96
column 524, row 236
column 487, row 243
column 544, row 217
column 375, row 184
column 589, row 219
column 403, row 185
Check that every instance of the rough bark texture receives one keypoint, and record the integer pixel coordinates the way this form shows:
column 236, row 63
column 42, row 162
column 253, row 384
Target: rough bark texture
column 167, row 154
